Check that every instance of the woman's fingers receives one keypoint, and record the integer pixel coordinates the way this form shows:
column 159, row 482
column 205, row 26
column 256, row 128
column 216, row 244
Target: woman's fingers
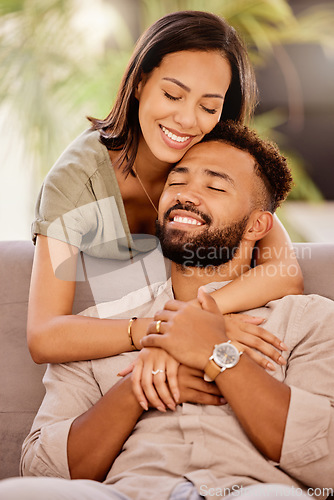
column 260, row 331
column 127, row 370
column 172, row 369
column 255, row 320
column 249, row 337
column 150, row 380
column 257, row 338
column 136, row 384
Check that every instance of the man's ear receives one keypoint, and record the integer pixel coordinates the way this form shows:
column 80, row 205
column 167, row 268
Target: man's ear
column 260, row 223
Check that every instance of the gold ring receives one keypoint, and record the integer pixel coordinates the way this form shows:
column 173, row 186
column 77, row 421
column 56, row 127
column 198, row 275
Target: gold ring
column 157, row 326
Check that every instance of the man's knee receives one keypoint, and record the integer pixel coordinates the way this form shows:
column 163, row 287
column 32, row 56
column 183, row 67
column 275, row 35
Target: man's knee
column 27, row 488
column 50, row 488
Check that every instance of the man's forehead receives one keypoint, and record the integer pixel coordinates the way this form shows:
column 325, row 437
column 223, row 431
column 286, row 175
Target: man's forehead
column 217, row 156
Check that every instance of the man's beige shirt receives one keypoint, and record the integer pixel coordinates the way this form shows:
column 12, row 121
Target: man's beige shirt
column 205, row 444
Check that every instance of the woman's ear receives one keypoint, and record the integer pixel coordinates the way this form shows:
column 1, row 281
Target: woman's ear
column 260, row 223
column 138, row 90
column 140, row 86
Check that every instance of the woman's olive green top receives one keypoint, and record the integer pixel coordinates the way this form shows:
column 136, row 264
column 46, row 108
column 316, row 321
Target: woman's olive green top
column 80, row 203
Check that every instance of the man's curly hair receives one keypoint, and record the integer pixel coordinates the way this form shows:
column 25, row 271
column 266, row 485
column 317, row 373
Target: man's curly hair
column 269, row 164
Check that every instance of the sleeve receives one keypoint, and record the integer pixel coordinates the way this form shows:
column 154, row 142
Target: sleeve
column 308, row 445
column 70, row 391
column 56, row 213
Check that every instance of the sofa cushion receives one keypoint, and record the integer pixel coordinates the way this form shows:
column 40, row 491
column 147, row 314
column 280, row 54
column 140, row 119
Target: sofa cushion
column 21, row 388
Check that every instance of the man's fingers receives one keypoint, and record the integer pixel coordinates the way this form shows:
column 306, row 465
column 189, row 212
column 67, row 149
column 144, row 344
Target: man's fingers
column 207, row 302
column 174, row 305
column 153, row 340
column 203, row 398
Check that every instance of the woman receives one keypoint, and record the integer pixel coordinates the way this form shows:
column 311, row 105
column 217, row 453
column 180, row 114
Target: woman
column 188, row 71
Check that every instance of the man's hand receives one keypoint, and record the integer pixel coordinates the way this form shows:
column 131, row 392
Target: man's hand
column 193, row 388
column 188, row 333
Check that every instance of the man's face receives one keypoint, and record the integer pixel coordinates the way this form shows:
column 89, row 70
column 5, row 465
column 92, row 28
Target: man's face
column 205, row 206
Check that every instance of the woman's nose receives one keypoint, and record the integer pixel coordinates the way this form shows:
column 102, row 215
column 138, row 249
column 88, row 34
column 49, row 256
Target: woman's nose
column 186, row 117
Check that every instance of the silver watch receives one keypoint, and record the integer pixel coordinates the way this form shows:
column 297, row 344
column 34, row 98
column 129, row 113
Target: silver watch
column 224, row 356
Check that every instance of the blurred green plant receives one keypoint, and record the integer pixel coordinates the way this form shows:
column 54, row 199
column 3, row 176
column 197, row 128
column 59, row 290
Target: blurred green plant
column 52, row 74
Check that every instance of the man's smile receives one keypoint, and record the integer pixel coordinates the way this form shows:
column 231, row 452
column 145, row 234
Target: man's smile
column 186, row 220
column 182, row 216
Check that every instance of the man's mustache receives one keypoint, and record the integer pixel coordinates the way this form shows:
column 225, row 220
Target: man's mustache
column 188, row 208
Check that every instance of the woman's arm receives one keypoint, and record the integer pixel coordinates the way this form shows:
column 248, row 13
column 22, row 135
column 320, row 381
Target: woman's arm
column 277, row 273
column 54, row 334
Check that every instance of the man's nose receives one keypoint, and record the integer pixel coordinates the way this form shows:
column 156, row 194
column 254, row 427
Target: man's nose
column 187, row 196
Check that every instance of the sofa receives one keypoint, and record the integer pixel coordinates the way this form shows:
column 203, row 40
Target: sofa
column 21, row 388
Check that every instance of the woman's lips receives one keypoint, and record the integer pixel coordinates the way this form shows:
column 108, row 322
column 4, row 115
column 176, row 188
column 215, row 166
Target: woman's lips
column 175, row 139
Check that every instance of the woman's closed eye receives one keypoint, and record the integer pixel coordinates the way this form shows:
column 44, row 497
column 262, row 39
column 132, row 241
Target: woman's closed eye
column 212, row 111
column 171, row 97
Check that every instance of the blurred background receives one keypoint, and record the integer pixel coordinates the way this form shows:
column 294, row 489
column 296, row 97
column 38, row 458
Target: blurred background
column 61, row 60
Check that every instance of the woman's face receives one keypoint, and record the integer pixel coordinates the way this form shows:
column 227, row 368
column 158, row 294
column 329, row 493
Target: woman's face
column 181, row 101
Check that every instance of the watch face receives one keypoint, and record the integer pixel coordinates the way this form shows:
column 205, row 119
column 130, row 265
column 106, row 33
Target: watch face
column 226, row 355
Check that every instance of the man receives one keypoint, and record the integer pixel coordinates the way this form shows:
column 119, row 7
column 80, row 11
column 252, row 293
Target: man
column 276, row 431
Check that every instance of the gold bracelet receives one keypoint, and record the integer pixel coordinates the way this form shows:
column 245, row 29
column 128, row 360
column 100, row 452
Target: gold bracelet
column 134, row 348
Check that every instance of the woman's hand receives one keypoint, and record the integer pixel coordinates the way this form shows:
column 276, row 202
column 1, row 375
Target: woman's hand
column 249, row 337
column 154, row 379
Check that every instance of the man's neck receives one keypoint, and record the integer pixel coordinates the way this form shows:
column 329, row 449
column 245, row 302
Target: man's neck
column 187, row 280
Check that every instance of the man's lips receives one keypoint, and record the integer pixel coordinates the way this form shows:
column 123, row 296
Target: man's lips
column 184, row 217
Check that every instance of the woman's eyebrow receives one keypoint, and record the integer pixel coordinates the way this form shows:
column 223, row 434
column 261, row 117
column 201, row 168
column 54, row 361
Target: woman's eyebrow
column 187, row 89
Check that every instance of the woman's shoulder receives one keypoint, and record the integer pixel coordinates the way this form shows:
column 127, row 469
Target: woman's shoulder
column 83, row 172
column 82, row 157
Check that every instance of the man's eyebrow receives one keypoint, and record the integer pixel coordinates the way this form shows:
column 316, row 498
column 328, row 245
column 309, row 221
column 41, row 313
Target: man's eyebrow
column 187, row 89
column 220, row 175
column 210, row 173
column 178, row 170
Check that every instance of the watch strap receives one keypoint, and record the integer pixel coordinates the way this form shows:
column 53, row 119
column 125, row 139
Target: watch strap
column 211, row 371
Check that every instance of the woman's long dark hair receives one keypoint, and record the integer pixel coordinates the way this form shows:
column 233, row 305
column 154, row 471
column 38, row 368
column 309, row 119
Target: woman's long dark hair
column 184, row 30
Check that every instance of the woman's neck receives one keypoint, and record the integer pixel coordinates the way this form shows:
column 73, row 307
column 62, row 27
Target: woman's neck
column 150, row 169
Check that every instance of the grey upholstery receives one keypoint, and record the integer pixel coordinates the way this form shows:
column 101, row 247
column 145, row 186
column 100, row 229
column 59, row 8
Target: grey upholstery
column 21, row 389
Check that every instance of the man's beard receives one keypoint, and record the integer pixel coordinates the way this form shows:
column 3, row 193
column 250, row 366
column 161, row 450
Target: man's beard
column 211, row 247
